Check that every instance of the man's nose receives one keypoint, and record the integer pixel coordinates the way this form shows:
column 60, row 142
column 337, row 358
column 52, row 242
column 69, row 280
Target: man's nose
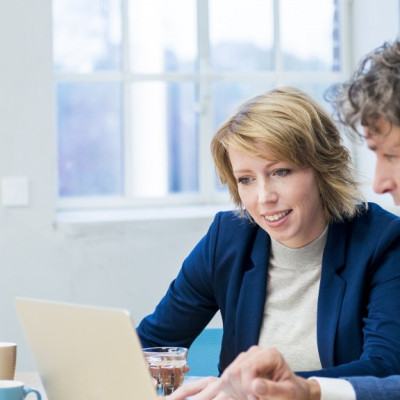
column 383, row 180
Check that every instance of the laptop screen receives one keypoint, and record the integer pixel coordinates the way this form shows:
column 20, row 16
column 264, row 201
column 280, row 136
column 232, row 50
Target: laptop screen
column 85, row 352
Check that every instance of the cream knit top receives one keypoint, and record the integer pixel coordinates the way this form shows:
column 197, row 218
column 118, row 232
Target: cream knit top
column 290, row 312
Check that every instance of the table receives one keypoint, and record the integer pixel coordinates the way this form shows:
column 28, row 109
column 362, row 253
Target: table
column 32, row 379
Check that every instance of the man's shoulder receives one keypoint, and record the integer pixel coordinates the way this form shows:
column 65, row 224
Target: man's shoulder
column 376, row 211
column 372, row 215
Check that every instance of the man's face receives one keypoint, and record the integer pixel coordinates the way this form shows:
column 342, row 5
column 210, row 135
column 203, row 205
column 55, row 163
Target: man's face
column 384, row 140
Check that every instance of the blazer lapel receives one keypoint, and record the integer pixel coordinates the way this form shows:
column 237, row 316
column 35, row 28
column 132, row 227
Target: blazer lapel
column 252, row 294
column 251, row 300
column 331, row 292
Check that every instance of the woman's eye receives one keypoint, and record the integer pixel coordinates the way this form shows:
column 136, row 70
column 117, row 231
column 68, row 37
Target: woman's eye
column 244, row 180
column 282, row 172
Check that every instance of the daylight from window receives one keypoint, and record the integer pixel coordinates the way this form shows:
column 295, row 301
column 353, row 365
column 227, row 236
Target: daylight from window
column 142, row 85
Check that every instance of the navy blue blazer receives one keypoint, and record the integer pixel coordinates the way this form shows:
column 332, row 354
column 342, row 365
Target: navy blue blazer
column 372, row 388
column 358, row 317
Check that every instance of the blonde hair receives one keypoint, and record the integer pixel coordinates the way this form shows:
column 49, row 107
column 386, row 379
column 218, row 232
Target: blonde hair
column 289, row 124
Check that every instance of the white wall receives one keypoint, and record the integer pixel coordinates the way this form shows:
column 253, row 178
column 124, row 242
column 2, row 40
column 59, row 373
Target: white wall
column 111, row 263
column 126, row 264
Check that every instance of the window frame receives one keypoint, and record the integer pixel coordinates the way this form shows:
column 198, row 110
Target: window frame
column 204, row 77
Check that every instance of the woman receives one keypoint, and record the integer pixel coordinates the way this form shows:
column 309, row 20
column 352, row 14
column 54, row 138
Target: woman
column 304, row 266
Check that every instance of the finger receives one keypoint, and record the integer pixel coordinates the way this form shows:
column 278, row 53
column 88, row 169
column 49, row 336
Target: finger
column 265, row 389
column 191, row 389
column 232, row 378
column 256, row 362
column 231, row 381
column 211, row 392
column 224, row 396
column 266, row 363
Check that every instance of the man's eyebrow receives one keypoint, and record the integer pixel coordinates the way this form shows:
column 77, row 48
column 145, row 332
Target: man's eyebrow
column 374, row 147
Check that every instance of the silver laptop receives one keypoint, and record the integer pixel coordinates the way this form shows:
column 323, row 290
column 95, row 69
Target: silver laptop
column 85, row 353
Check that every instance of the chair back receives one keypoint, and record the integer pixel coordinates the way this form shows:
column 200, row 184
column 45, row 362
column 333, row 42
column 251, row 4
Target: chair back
column 203, row 355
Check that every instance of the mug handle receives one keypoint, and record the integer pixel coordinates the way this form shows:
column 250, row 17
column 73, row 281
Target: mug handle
column 31, row 390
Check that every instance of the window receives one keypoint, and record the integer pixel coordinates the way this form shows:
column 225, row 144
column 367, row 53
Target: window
column 141, row 86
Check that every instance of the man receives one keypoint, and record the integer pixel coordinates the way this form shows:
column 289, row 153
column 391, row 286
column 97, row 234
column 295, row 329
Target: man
column 370, row 99
column 263, row 374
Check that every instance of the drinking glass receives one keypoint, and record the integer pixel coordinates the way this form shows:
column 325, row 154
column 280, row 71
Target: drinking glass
column 167, row 367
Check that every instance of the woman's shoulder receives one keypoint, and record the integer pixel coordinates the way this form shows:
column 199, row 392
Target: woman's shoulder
column 233, row 219
column 233, row 225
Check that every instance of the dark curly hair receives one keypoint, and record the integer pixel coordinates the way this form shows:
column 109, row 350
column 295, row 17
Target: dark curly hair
column 371, row 93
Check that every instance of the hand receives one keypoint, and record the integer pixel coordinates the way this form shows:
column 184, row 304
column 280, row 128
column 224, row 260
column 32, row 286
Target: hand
column 264, row 374
column 203, row 389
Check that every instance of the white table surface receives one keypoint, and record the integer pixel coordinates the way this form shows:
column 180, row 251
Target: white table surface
column 32, row 379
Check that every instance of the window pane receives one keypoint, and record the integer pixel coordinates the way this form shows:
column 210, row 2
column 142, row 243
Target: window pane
column 86, row 35
column 309, row 34
column 89, row 139
column 241, row 35
column 163, row 35
column 227, row 96
column 164, row 144
column 315, row 90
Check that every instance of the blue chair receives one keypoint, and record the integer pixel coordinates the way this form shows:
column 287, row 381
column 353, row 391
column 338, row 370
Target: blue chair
column 203, row 355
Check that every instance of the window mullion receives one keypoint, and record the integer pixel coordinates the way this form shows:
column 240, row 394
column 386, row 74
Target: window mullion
column 345, row 9
column 126, row 114
column 277, row 43
column 206, row 165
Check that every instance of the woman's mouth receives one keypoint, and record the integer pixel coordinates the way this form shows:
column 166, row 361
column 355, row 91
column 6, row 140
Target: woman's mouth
column 278, row 216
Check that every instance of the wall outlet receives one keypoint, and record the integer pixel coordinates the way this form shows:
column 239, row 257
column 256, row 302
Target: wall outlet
column 15, row 192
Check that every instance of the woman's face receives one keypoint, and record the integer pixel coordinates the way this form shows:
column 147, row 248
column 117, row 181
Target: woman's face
column 282, row 198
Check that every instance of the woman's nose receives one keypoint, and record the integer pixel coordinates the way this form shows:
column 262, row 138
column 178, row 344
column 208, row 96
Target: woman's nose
column 267, row 193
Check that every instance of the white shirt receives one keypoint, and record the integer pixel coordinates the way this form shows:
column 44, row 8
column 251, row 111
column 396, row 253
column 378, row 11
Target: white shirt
column 335, row 389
